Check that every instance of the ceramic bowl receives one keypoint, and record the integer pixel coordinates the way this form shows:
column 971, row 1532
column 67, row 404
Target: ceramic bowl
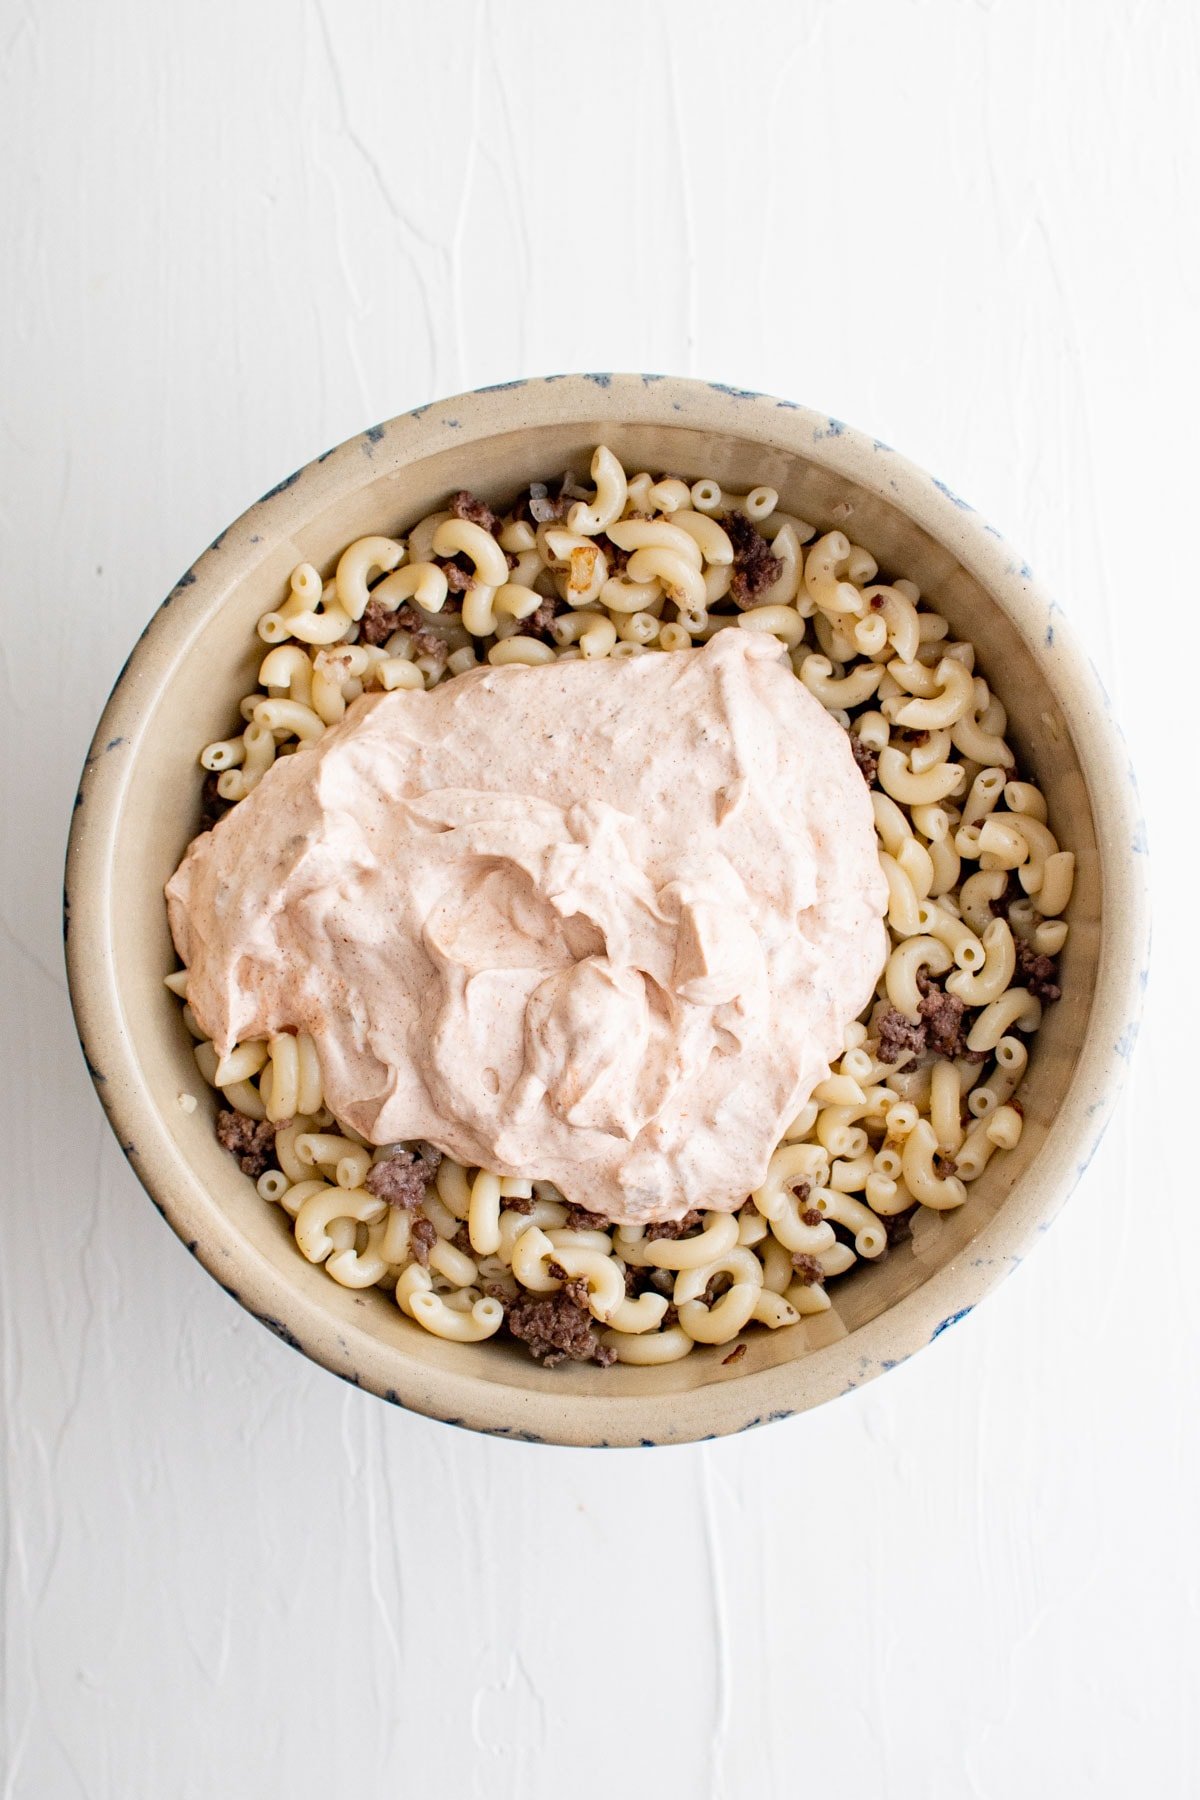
column 138, row 806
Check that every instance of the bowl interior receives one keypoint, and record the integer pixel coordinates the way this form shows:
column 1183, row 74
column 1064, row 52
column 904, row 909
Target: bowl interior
column 193, row 699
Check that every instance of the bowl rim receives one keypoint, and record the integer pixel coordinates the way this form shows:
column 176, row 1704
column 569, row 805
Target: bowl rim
column 739, row 1401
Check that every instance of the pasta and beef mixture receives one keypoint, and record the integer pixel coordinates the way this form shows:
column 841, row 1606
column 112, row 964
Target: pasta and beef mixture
column 925, row 1090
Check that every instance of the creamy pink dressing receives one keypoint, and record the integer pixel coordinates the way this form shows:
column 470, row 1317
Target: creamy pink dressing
column 601, row 923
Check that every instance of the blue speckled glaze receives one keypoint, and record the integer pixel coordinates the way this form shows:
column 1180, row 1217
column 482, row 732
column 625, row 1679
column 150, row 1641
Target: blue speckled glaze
column 952, row 1320
column 600, row 380
column 955, row 499
column 281, row 487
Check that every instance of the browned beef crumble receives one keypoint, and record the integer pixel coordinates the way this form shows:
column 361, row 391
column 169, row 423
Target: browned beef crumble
column 672, row 1228
column 538, row 623
column 401, row 1179
column 942, row 1016
column 755, row 565
column 422, row 1237
column 670, row 1317
column 866, row 760
column 556, row 1269
column 940, row 1028
column 251, row 1141
column 462, row 1241
column 808, row 1269
column 458, row 572
column 616, row 558
column 735, row 1355
column 426, row 641
column 944, row 1165
column 214, row 805
column 812, row 1215
column 515, row 1203
column 465, row 505
column 559, row 1326
column 580, row 1219
column 379, row 622
column 897, row 1035
column 1036, row 972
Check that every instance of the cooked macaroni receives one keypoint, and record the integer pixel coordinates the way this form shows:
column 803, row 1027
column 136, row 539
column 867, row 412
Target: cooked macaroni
column 924, row 1093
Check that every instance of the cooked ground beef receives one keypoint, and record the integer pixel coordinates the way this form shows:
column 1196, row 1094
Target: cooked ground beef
column 812, row 1216
column 426, row 641
column 940, row 1028
column 465, row 505
column 672, row 1228
column 944, row 1165
column 251, row 1141
column 379, row 622
column 580, row 1219
column 213, row 803
column 458, row 572
column 755, row 565
column 1036, row 972
column 401, row 1179
column 558, row 1326
column 735, row 1355
column 670, row 1317
column 867, row 761
column 616, row 558
column 538, row 623
column 898, row 1035
column 515, row 1203
column 942, row 1015
column 421, row 1239
column 808, row 1269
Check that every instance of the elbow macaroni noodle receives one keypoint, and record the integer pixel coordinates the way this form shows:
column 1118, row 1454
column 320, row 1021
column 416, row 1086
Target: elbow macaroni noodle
column 643, row 566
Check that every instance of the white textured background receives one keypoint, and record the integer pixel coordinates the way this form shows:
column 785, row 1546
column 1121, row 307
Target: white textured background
column 231, row 235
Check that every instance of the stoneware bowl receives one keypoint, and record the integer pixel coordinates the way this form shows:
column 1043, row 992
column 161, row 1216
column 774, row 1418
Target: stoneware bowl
column 138, row 806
